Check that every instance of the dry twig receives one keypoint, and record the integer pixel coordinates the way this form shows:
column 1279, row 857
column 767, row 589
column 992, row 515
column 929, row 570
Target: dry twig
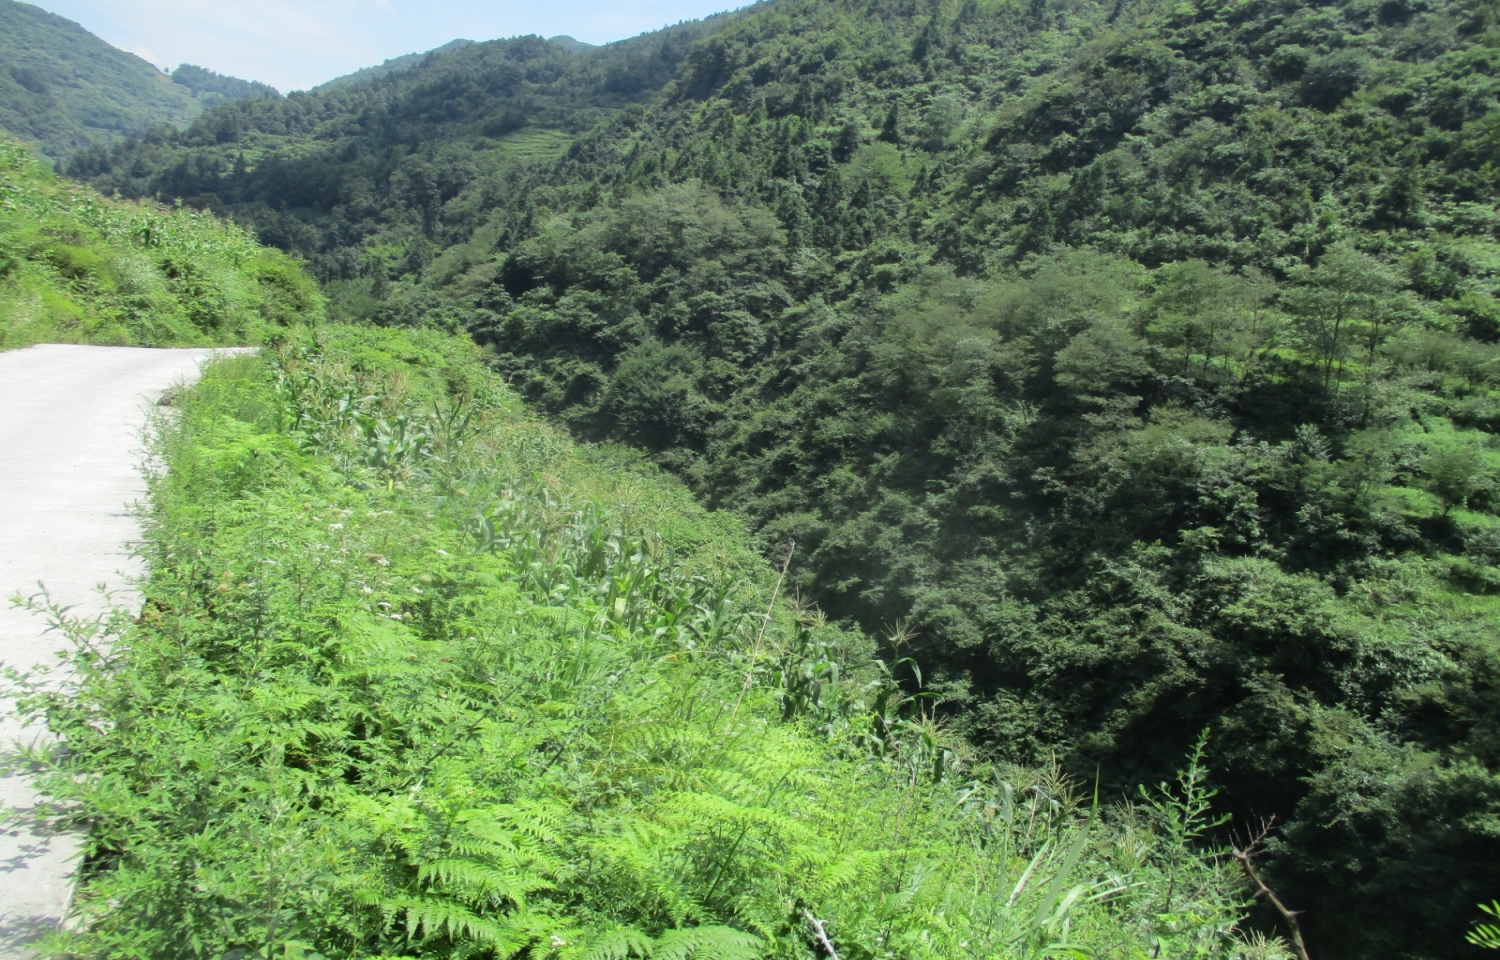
column 821, row 933
column 1246, row 858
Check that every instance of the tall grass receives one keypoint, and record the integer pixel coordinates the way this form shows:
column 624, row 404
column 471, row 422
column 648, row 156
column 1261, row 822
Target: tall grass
column 76, row 267
column 485, row 696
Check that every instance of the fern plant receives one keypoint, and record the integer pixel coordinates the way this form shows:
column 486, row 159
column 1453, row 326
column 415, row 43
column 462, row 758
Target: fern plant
column 1487, row 935
column 460, row 713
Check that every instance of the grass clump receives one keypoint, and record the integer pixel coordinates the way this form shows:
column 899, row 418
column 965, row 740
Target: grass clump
column 418, row 677
column 77, row 268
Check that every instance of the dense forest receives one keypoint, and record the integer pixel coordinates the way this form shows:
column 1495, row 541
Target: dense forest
column 215, row 88
column 393, row 65
column 1132, row 369
column 427, row 132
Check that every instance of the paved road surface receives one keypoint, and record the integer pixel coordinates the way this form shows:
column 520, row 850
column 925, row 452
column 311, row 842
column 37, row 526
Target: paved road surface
column 70, row 441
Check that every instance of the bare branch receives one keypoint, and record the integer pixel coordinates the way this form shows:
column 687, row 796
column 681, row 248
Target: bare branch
column 821, row 934
column 1246, row 857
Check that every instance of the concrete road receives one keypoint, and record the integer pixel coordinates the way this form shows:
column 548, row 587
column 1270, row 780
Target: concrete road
column 70, row 454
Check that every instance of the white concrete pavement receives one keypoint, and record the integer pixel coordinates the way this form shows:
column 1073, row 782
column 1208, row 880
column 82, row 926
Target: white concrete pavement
column 71, row 421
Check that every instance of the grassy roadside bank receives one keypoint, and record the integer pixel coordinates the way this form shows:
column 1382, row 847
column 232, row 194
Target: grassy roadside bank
column 418, row 677
column 78, row 268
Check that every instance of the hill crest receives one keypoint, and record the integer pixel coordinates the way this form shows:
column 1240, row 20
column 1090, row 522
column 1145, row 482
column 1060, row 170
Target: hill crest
column 63, row 89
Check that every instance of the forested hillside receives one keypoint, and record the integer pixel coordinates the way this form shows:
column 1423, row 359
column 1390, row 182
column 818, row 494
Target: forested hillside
column 416, row 677
column 212, row 88
column 64, row 89
column 1133, row 367
column 393, row 65
column 77, row 268
column 374, row 171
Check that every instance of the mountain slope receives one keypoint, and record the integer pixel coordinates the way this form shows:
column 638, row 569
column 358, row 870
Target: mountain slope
column 1134, row 364
column 64, row 89
column 570, row 44
column 211, row 89
column 393, row 65
column 462, row 688
column 77, row 268
column 410, row 161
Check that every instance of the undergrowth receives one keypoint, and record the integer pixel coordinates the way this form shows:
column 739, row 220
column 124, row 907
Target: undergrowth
column 417, row 677
column 78, row 268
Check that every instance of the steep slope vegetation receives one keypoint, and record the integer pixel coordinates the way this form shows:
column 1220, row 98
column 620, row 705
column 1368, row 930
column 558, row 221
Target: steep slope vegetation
column 372, row 179
column 393, row 65
column 417, row 677
column 77, row 268
column 212, row 89
column 64, row 89
column 1135, row 364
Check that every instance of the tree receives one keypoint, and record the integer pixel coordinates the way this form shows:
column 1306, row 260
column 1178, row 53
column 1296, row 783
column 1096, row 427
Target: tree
column 1100, row 358
column 1215, row 320
column 890, row 130
column 1346, row 296
column 1454, row 473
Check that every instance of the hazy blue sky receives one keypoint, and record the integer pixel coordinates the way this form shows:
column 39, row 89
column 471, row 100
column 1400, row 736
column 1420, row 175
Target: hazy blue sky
column 294, row 44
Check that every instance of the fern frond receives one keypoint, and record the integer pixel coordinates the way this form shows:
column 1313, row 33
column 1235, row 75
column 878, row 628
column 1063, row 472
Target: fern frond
column 618, row 943
column 476, row 883
column 848, row 870
column 490, row 847
column 707, row 943
column 544, row 823
column 428, row 918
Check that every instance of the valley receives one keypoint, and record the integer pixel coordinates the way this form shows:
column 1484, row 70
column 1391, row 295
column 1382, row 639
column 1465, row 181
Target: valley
column 1117, row 375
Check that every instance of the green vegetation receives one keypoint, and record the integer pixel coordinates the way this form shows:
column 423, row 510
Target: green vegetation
column 63, row 89
column 417, row 677
column 393, row 65
column 1487, row 935
column 452, row 135
column 77, row 268
column 1136, row 365
column 213, row 88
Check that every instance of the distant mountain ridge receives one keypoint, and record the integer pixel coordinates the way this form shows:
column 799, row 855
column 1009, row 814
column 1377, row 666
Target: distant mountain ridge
column 215, row 88
column 410, row 60
column 393, row 65
column 570, row 44
column 63, row 89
